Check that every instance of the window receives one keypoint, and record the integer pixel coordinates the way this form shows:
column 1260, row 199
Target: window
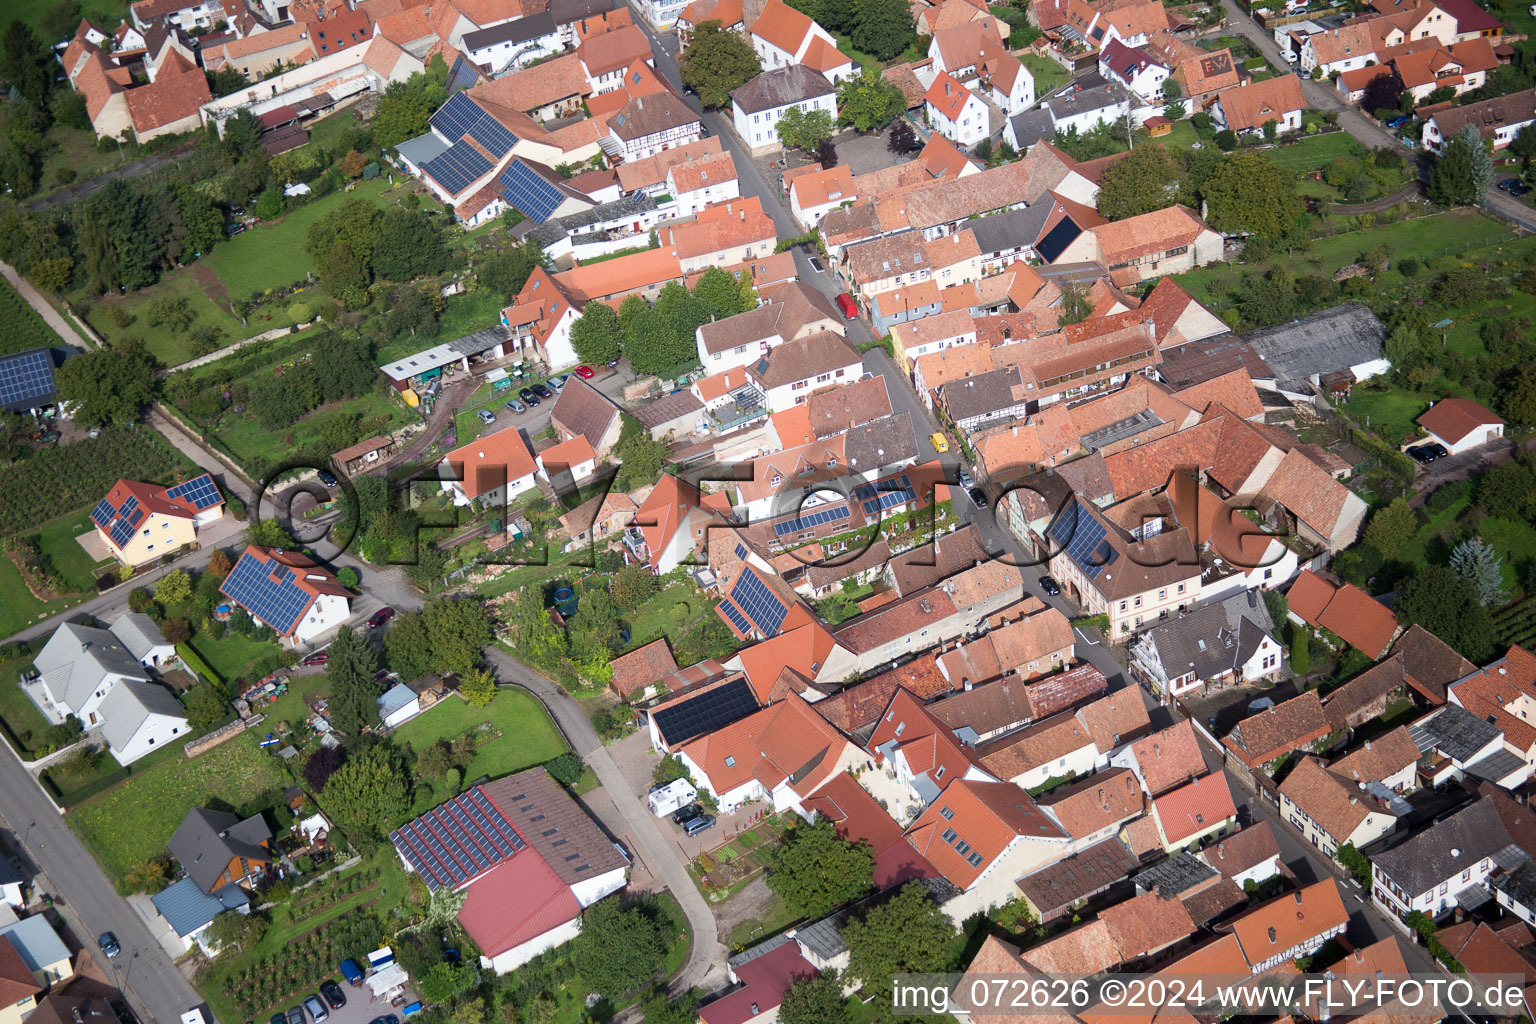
column 1138, row 601
column 949, row 835
column 730, row 762
column 1162, row 594
column 1181, row 588
column 946, row 813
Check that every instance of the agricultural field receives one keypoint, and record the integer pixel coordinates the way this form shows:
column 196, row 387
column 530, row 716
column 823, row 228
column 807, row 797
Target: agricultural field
column 75, row 475
column 20, row 326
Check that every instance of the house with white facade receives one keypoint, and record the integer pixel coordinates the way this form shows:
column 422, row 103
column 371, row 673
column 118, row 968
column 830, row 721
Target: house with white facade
column 975, row 55
column 297, row 597
column 1227, row 642
column 790, row 373
column 1138, row 70
column 955, row 112
column 1428, row 871
column 1292, row 924
column 1331, row 811
column 1251, row 107
column 492, row 470
column 702, row 182
column 757, row 106
column 789, row 312
column 1461, row 424
column 783, row 36
column 651, row 124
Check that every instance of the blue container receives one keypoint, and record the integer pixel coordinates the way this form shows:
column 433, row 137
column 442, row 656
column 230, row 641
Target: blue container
column 349, row 970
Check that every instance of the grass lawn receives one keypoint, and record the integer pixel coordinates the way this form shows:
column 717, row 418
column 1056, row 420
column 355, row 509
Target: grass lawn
column 528, row 735
column 131, row 823
column 234, row 656
column 272, row 255
column 101, row 12
column 1314, row 152
column 246, row 438
column 20, row 326
column 466, row 422
column 1047, row 73
column 290, row 706
column 57, row 540
column 18, row 608
column 1388, row 414
column 776, row 917
column 172, row 349
column 1514, row 540
column 20, row 715
column 76, row 150
column 1181, row 136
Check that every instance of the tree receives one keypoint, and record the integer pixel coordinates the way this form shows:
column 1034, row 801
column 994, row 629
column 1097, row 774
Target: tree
column 870, row 101
column 206, row 707
column 596, row 334
column 1076, row 304
column 565, row 769
column 619, row 948
column 719, row 292
column 1461, row 176
column 882, row 27
column 368, row 795
column 478, row 687
column 1523, row 145
column 902, row 139
column 906, row 934
column 351, row 165
column 595, row 627
column 1519, row 397
column 405, row 111
column 1382, row 93
column 241, row 931
column 1147, row 178
column 408, row 245
column 506, row 272
column 1171, row 89
column 815, row 872
column 459, row 629
column 1174, row 111
column 1446, row 605
column 149, row 876
column 817, row 1000
column 174, row 588
column 1507, row 490
column 1481, row 568
column 1247, row 192
column 1391, row 527
column 826, row 155
column 354, row 695
column 1226, row 140
column 176, row 631
column 241, row 134
column 60, row 20
column 109, row 385
column 717, row 61
column 1357, row 863
column 322, row 764
column 804, row 130
column 25, row 63
column 224, row 81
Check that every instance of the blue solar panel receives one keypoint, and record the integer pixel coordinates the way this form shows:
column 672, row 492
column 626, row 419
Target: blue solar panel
column 126, row 522
column 454, row 119
column 200, row 492
column 741, row 551
column 817, row 518
column 26, row 377
column 895, row 483
column 1083, row 537
column 277, row 602
column 888, row 499
column 103, row 513
column 734, row 614
column 457, row 167
column 759, row 603
column 493, row 135
column 525, row 189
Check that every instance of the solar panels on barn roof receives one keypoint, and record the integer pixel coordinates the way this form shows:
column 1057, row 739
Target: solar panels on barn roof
column 200, row 493
column 26, row 379
column 681, row 720
column 528, row 191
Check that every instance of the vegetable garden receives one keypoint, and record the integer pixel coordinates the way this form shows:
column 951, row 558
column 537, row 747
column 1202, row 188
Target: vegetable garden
column 1517, row 623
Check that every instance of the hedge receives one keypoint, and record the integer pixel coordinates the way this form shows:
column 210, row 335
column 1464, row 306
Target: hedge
column 195, row 662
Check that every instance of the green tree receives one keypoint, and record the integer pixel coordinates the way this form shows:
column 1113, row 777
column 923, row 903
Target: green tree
column 1267, row 298
column 595, row 627
column 26, row 63
column 1461, row 175
column 1392, row 527
column 1247, row 192
column 237, row 930
column 869, row 102
column 1518, row 399
column 241, row 134
column 633, row 585
column 1171, row 89
column 354, row 695
column 405, row 111
column 149, row 875
column 478, row 687
column 1145, row 179
column 804, row 130
column 882, row 27
column 109, row 385
column 905, row 934
column 206, row 708
column 1508, row 490
column 640, row 456
column 814, row 871
column 719, row 292
column 459, row 629
column 1443, row 603
column 506, row 272
column 530, row 628
column 369, row 794
column 1481, row 568
column 620, row 947
column 1357, row 864
column 224, row 81
column 596, row 334
column 565, row 769
column 1523, row 145
column 1076, row 304
column 817, row 1000
column 408, row 245
column 174, row 588
column 717, row 61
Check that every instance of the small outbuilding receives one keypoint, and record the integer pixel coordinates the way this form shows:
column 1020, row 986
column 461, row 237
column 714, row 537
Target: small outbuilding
column 1460, row 424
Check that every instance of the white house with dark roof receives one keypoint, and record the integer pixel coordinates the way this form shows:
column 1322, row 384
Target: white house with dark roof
column 757, row 106
column 1445, row 865
column 1229, row 641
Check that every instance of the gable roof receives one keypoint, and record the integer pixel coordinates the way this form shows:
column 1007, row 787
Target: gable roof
column 1095, row 802
column 1278, row 730
column 780, row 87
column 1250, row 106
column 1168, row 757
column 1292, row 918
column 784, row 743
column 1453, row 419
column 1338, row 807
column 278, row 587
column 1379, row 758
column 492, row 461
column 77, row 658
column 1194, row 807
column 128, row 705
column 1434, row 855
column 207, row 841
column 1122, row 242
column 555, row 824
column 582, row 409
column 1243, row 849
column 972, row 822
column 642, row 667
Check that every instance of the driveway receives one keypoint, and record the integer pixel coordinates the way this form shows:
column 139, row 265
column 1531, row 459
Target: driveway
column 1461, row 467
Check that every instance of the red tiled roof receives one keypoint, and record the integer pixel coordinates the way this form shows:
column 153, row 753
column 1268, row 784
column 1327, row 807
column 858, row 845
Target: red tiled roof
column 1169, row 757
column 1293, row 917
column 1452, row 419
column 1194, row 807
column 984, row 816
column 515, row 902
column 1145, row 924
column 490, row 462
column 764, row 982
column 641, row 667
column 1279, row 730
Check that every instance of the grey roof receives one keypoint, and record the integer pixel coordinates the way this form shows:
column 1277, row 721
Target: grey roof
column 551, row 231
column 1445, row 849
column 139, row 634
column 1473, row 896
column 1195, row 362
column 1031, row 126
column 1084, row 95
column 518, row 30
column 423, row 149
column 36, row 941
column 1144, row 419
column 129, row 705
column 206, row 841
column 1454, row 731
column 668, row 408
column 1500, row 764
column 1009, row 229
column 1064, row 882
column 1519, row 884
column 186, row 908
column 1333, row 339
column 780, row 87
column 650, row 114
column 77, row 658
column 1175, row 876
column 1200, row 641
column 474, row 344
column 980, row 394
column 396, row 697
column 566, row 11
column 887, row 441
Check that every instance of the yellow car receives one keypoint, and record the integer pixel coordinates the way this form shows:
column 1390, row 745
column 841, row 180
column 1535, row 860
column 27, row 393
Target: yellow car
column 940, row 443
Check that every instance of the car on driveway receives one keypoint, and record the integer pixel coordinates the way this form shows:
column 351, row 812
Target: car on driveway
column 939, row 441
column 1427, row 453
column 527, row 395
column 543, row 391
column 326, row 478
column 584, row 371
column 317, row 1010
column 516, row 406
column 1515, row 187
column 318, row 658
column 686, row 814
column 296, row 1015
column 278, row 1018
column 386, row 1019
column 1050, row 586
column 700, row 824
column 335, row 998
column 109, row 945
column 486, row 416
column 381, row 617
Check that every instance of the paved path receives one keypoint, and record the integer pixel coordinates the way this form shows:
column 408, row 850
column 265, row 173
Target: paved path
column 50, row 316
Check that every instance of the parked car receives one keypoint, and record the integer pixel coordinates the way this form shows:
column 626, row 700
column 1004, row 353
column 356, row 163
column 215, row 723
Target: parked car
column 317, row 1010
column 296, row 1015
column 386, row 1019
column 231, row 230
column 381, row 617
column 940, row 442
column 486, row 416
column 584, row 371
column 1427, row 453
column 702, row 823
column 318, row 658
column 1050, row 586
column 278, row 1018
column 965, row 479
column 1515, row 187
column 558, row 383
column 335, row 998
column 1305, row 74
column 108, row 943
column 848, row 306
column 527, row 395
column 516, row 406
column 1399, row 121
column 542, row 390
column 326, row 478
column 686, row 814
column 978, row 497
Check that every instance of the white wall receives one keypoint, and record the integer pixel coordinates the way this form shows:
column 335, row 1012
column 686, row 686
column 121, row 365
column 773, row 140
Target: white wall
column 511, row 959
column 327, row 612
column 591, row 890
column 154, row 734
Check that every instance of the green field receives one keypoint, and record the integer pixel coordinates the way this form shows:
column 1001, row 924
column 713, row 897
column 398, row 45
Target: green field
column 20, row 326
column 172, row 348
column 249, row 441
column 1047, row 73
column 1388, row 414
column 76, row 150
column 528, row 735
column 131, row 822
column 233, row 656
column 20, row 715
column 18, row 608
column 103, row 13
column 57, row 540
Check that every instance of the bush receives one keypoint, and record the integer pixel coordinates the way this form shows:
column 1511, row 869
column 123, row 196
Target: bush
column 1226, row 140
column 1448, row 494
column 565, row 769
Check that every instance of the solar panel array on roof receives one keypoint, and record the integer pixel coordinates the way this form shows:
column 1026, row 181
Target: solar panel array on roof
column 878, row 497
column 760, row 604
column 525, row 189
column 200, row 492
column 817, row 518
column 278, row 602
column 454, row 118
column 26, row 377
column 729, row 609
column 1056, row 240
column 683, row 719
column 457, row 168
column 493, row 135
column 1083, row 538
column 457, row 841
column 119, row 522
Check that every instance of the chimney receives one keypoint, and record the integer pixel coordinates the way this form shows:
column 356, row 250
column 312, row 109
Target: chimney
column 1271, row 936
column 965, row 684
column 1298, row 897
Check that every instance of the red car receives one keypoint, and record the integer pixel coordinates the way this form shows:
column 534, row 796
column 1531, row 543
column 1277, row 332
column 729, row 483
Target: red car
column 380, row 617
column 584, row 372
column 318, row 658
column 848, row 306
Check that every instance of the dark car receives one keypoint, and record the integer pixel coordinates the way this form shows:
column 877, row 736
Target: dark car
column 326, row 478
column 1050, row 586
column 231, row 230
column 1515, row 187
column 335, row 998
column 978, row 496
column 381, row 617
column 686, row 814
column 1427, row 453
column 278, row 1018
column 527, row 395
column 318, row 658
column 543, row 391
column 386, row 1019
column 296, row 1015
column 108, row 944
